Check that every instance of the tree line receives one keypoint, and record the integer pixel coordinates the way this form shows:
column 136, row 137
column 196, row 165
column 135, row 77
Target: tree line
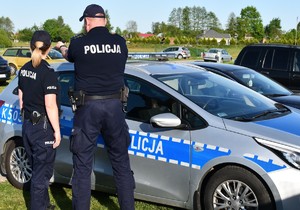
column 185, row 24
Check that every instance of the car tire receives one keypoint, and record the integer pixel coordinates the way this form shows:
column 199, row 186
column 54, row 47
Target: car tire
column 221, row 190
column 179, row 56
column 13, row 69
column 17, row 166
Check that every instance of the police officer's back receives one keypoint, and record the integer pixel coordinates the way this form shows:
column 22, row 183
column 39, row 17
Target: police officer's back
column 99, row 58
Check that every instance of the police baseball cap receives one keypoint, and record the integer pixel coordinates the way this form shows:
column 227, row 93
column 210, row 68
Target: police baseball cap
column 91, row 11
column 42, row 36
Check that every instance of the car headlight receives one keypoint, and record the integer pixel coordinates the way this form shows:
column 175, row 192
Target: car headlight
column 290, row 154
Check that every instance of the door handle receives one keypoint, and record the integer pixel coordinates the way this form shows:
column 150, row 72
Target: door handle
column 265, row 72
column 296, row 76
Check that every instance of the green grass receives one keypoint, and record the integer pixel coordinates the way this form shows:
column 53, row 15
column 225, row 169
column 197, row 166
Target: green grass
column 61, row 196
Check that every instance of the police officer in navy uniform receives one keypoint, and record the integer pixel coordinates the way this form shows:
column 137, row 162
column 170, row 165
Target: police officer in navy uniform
column 39, row 102
column 99, row 58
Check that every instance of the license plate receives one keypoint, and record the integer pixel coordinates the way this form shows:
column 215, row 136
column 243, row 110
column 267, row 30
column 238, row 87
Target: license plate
column 2, row 75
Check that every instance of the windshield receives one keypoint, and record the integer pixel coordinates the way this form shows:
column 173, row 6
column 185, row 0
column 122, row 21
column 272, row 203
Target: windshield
column 220, row 96
column 260, row 83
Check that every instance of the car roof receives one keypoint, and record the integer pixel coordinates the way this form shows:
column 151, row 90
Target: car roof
column 223, row 67
column 143, row 66
column 274, row 45
column 20, row 47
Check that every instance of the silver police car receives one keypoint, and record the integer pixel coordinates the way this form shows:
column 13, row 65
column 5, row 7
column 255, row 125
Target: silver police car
column 198, row 140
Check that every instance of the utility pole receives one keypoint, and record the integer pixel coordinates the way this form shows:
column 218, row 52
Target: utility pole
column 296, row 38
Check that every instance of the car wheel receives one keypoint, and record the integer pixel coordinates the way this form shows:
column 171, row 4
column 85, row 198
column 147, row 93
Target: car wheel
column 233, row 187
column 13, row 69
column 179, row 56
column 17, row 166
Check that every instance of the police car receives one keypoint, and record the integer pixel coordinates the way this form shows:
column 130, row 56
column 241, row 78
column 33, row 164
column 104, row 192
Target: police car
column 198, row 140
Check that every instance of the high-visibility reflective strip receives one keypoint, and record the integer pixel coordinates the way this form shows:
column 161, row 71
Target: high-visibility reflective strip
column 267, row 164
column 163, row 148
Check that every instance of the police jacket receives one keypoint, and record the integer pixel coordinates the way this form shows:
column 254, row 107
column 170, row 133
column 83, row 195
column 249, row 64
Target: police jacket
column 35, row 83
column 99, row 58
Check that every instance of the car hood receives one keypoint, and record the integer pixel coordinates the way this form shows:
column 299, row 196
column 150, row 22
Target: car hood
column 283, row 130
column 291, row 100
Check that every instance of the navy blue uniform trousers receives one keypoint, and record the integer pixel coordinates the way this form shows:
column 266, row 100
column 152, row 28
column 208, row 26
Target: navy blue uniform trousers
column 38, row 142
column 107, row 118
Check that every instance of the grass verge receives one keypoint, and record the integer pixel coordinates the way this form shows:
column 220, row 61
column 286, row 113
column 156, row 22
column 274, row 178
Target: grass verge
column 61, row 197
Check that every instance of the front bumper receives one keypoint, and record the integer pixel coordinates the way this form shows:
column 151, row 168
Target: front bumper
column 288, row 185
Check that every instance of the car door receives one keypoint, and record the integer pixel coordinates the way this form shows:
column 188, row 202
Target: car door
column 159, row 157
column 63, row 162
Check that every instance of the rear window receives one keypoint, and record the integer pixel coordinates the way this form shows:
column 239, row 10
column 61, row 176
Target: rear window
column 213, row 51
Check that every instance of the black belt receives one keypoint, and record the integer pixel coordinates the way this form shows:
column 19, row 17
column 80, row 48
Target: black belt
column 96, row 97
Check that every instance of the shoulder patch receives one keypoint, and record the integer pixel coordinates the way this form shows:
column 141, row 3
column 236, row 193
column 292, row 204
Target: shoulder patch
column 77, row 36
column 49, row 67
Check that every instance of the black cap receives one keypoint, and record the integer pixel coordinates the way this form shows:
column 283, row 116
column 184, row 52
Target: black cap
column 91, row 11
column 42, row 36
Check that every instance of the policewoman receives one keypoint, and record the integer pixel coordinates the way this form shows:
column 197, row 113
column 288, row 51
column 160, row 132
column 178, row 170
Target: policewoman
column 38, row 96
column 99, row 58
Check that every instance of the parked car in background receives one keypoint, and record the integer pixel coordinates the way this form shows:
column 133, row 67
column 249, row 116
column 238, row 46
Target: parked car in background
column 4, row 70
column 197, row 140
column 179, row 51
column 217, row 55
column 255, row 81
column 18, row 56
column 277, row 61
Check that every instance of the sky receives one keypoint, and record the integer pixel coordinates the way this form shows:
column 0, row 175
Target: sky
column 25, row 14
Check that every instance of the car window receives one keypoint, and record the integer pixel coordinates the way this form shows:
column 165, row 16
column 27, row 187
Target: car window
column 11, row 52
column 54, row 54
column 66, row 81
column 146, row 100
column 297, row 62
column 250, row 58
column 268, row 59
column 281, row 59
column 259, row 83
column 24, row 53
column 213, row 51
column 276, row 59
column 217, row 95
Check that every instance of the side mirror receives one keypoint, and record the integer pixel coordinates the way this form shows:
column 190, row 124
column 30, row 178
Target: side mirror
column 165, row 120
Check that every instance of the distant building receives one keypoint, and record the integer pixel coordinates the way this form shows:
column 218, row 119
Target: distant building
column 212, row 34
column 145, row 35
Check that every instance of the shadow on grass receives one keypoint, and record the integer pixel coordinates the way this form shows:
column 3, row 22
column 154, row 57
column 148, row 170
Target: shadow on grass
column 62, row 195
column 107, row 200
